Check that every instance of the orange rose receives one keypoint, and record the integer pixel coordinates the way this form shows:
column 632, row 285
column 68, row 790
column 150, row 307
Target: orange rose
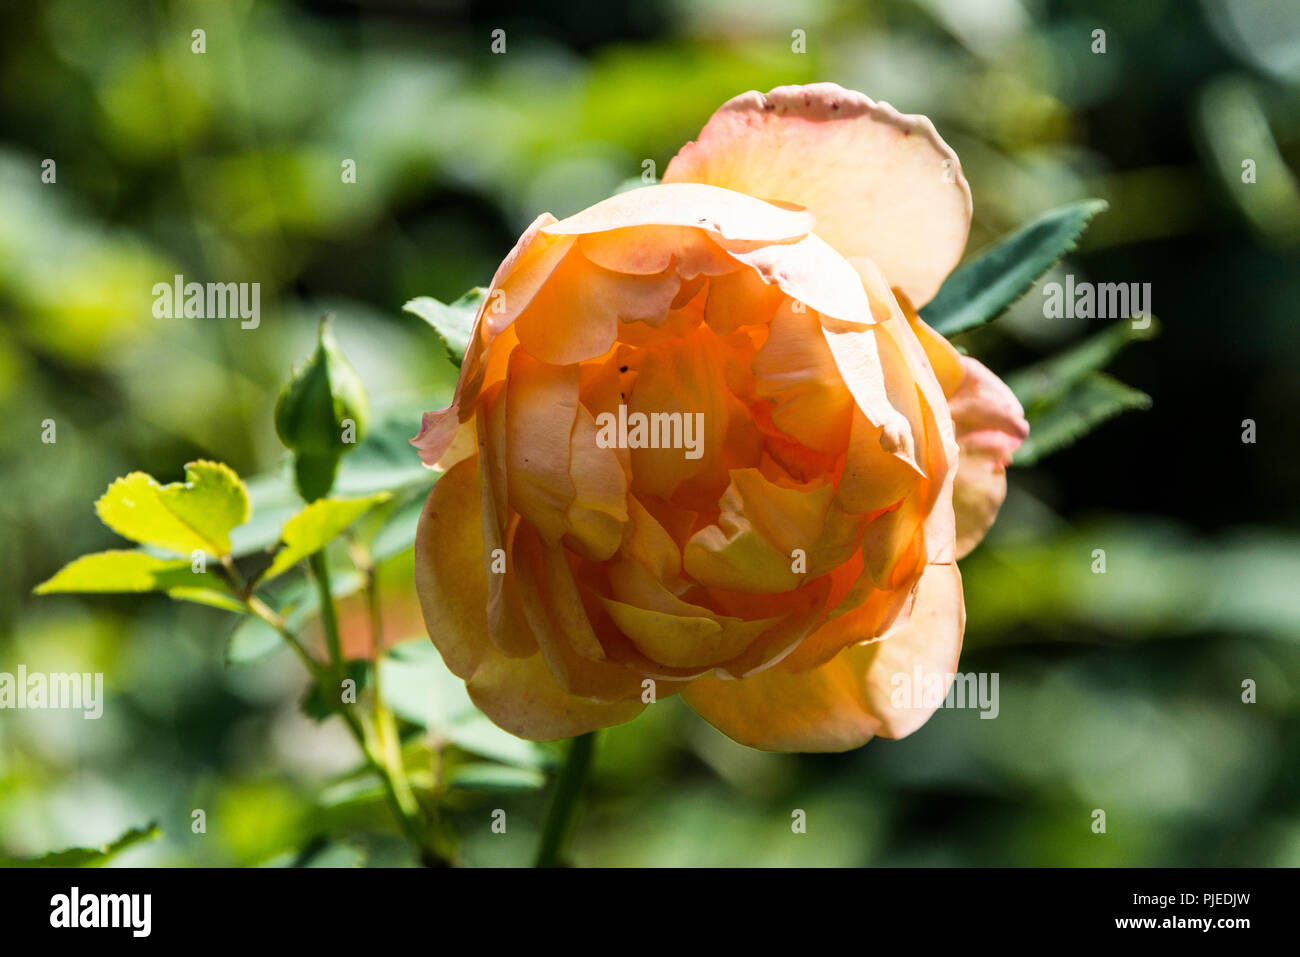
column 702, row 442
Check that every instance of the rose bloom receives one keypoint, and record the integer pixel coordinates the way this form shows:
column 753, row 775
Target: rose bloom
column 780, row 572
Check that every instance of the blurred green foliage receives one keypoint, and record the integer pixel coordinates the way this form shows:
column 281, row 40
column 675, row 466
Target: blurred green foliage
column 1119, row 691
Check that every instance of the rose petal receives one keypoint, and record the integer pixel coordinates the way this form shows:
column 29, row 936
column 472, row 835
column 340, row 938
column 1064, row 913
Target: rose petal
column 881, row 184
column 518, row 694
column 812, row 272
column 844, row 702
column 795, row 369
column 930, row 641
column 723, row 213
column 550, row 603
column 575, row 316
column 990, row 427
column 650, row 250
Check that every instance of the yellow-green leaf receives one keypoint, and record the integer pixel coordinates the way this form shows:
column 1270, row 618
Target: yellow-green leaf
column 315, row 526
column 195, row 515
column 126, row 571
column 132, row 571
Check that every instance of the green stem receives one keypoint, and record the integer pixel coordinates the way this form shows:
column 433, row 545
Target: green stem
column 561, row 819
column 387, row 738
column 328, row 616
column 401, row 800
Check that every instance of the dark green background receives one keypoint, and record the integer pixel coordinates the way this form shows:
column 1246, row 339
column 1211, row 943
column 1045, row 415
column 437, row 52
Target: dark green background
column 1119, row 691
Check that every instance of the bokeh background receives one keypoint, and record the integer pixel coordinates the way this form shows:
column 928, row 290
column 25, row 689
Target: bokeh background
column 1120, row 691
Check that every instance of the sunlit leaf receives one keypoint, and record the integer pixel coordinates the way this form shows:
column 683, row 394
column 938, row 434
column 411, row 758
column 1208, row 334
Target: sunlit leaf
column 195, row 515
column 981, row 289
column 316, row 526
column 454, row 322
column 134, row 571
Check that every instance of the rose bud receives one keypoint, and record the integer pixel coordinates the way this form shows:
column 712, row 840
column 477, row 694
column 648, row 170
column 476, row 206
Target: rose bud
column 321, row 414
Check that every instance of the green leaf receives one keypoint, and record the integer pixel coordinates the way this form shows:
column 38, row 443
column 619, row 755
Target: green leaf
column 1048, row 380
column 87, row 856
column 316, row 526
column 1087, row 404
column 196, row 515
column 454, row 323
column 988, row 284
column 134, row 571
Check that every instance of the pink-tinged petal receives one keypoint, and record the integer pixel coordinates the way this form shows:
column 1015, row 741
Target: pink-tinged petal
column 990, row 427
column 728, row 216
column 518, row 694
column 881, row 184
column 842, row 703
column 437, row 431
